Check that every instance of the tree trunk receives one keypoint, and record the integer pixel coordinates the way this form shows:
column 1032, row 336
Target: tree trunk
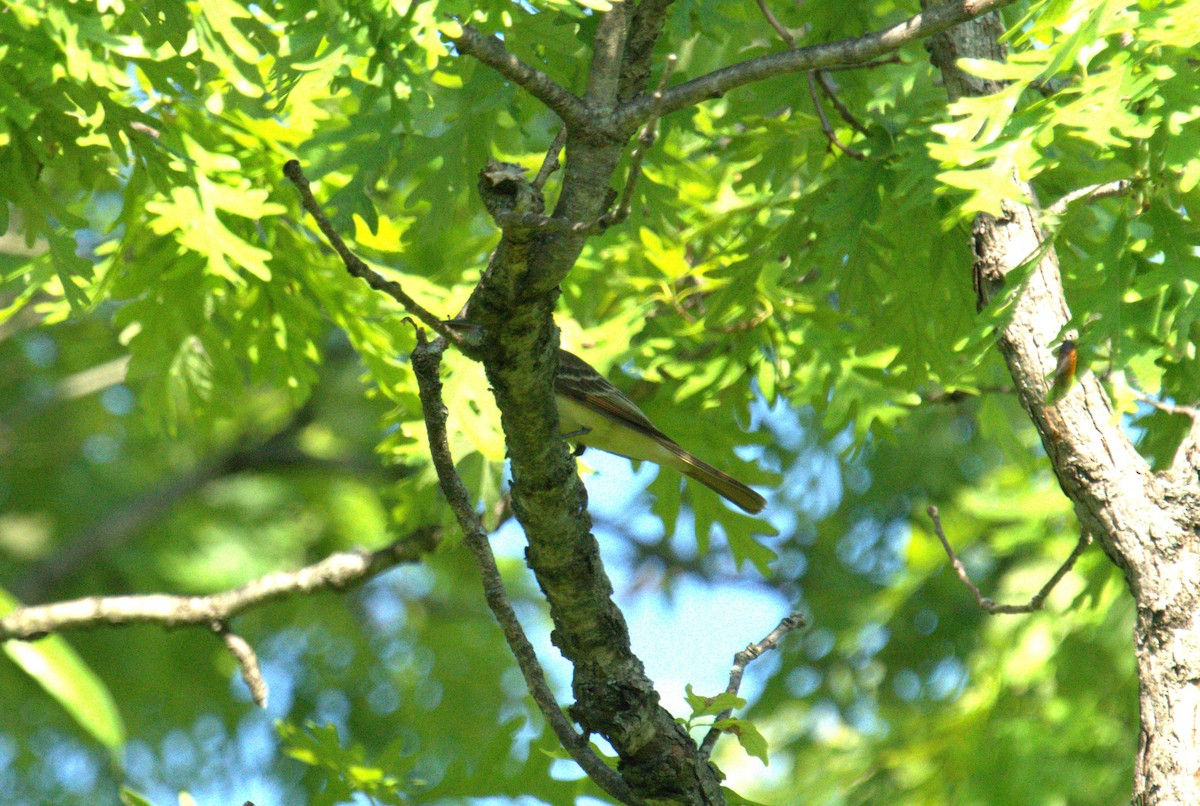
column 1147, row 523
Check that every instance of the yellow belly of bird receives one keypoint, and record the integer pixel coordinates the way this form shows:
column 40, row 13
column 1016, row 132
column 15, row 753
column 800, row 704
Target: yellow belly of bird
column 582, row 426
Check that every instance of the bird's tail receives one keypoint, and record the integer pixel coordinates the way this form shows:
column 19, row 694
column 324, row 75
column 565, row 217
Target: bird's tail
column 720, row 483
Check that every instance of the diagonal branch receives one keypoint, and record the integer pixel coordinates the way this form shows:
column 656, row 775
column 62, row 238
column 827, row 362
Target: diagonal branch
column 491, row 51
column 426, row 360
column 774, row 22
column 826, row 127
column 830, row 91
column 813, row 76
column 846, row 52
column 743, row 659
column 354, row 264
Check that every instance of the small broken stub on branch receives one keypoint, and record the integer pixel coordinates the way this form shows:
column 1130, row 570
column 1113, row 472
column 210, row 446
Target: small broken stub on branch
column 505, row 191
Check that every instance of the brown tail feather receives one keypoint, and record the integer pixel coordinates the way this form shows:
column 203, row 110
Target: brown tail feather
column 720, row 483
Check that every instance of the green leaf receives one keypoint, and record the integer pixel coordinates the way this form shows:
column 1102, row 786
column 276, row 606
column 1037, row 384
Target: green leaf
column 748, row 736
column 65, row 676
column 711, row 706
column 734, row 799
column 132, row 798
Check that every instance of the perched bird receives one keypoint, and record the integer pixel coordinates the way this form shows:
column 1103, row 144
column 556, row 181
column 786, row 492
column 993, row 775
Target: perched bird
column 596, row 414
column 1064, row 371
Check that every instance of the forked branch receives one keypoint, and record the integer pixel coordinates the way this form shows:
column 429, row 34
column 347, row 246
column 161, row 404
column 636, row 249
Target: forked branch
column 1037, row 601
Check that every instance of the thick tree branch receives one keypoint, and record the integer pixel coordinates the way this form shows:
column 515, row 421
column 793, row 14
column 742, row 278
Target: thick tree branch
column 491, row 51
column 644, row 31
column 512, row 307
column 847, row 52
column 426, row 361
column 338, row 571
column 608, row 55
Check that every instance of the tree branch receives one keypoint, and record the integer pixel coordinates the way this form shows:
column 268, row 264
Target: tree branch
column 1037, row 601
column 830, row 91
column 126, row 520
column 1114, row 188
column 337, row 571
column 426, row 360
column 774, row 22
column 830, row 134
column 740, row 661
column 645, row 142
column 644, row 31
column 608, row 56
column 354, row 265
column 247, row 661
column 813, row 76
column 491, row 51
column 1144, row 521
column 847, row 52
column 550, row 163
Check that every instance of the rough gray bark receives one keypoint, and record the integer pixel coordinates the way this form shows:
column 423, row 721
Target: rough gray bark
column 1148, row 523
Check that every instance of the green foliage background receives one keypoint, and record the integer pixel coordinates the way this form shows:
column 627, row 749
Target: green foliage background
column 267, row 414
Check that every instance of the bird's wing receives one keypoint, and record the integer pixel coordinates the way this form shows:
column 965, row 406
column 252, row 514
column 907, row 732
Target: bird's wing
column 578, row 381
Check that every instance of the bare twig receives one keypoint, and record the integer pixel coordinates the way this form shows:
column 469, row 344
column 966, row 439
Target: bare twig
column 354, row 264
column 774, row 22
column 1114, row 188
column 1169, row 408
column 338, row 571
column 645, row 142
column 247, row 661
column 830, row 134
column 491, row 51
column 1037, row 601
column 551, row 163
column 426, row 361
column 843, row 110
column 813, row 77
column 740, row 661
column 844, row 53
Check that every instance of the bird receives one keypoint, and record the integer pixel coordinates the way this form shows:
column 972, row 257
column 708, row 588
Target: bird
column 1064, row 371
column 594, row 413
